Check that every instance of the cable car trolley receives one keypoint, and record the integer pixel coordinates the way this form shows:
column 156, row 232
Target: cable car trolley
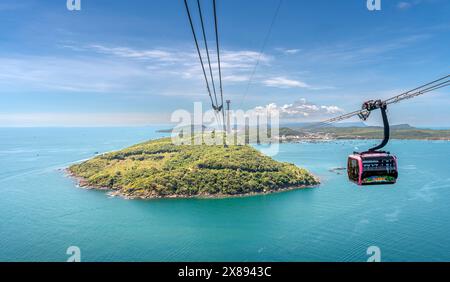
column 373, row 166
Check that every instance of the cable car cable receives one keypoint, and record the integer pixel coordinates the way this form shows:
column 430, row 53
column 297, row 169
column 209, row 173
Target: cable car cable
column 261, row 52
column 375, row 166
column 415, row 89
column 199, row 53
column 425, row 88
column 207, row 51
column 218, row 63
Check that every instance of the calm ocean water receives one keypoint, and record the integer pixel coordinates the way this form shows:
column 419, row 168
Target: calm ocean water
column 42, row 212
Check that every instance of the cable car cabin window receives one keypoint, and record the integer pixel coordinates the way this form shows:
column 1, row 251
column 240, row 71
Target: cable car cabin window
column 379, row 170
column 353, row 169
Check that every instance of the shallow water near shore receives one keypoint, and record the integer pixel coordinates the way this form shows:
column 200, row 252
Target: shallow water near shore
column 42, row 212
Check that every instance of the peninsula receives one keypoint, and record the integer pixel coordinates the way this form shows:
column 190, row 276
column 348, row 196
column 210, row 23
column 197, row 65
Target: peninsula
column 159, row 169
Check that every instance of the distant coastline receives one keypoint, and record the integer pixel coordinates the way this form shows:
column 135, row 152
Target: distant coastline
column 399, row 132
column 304, row 133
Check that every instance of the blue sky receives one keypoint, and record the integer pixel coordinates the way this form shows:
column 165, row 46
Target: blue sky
column 123, row 62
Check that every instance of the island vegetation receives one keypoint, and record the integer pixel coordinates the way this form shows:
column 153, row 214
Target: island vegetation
column 158, row 169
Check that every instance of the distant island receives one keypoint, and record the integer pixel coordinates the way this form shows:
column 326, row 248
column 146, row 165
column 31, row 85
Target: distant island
column 159, row 169
column 401, row 131
column 308, row 132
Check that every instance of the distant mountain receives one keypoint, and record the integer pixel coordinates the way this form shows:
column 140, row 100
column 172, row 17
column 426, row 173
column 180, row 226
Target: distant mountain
column 399, row 131
column 402, row 126
column 286, row 131
column 350, row 124
column 312, row 124
column 395, row 127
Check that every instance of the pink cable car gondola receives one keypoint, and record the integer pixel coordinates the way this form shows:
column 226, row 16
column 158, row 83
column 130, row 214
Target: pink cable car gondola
column 373, row 166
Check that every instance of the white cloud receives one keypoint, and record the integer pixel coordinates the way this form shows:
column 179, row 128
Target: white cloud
column 73, row 75
column 301, row 110
column 244, row 57
column 130, row 71
column 236, row 78
column 236, row 64
column 230, row 59
column 283, row 82
column 288, row 51
column 292, row 51
column 150, row 54
column 359, row 51
column 403, row 5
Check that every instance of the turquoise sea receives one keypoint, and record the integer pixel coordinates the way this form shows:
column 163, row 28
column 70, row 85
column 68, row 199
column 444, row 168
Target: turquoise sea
column 42, row 212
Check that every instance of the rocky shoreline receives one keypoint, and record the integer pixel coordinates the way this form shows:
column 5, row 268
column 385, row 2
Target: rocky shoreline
column 160, row 169
column 83, row 184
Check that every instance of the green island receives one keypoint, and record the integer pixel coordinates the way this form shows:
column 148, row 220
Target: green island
column 160, row 169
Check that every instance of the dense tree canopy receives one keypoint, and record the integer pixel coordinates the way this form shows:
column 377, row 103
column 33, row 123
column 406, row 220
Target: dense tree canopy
column 160, row 169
